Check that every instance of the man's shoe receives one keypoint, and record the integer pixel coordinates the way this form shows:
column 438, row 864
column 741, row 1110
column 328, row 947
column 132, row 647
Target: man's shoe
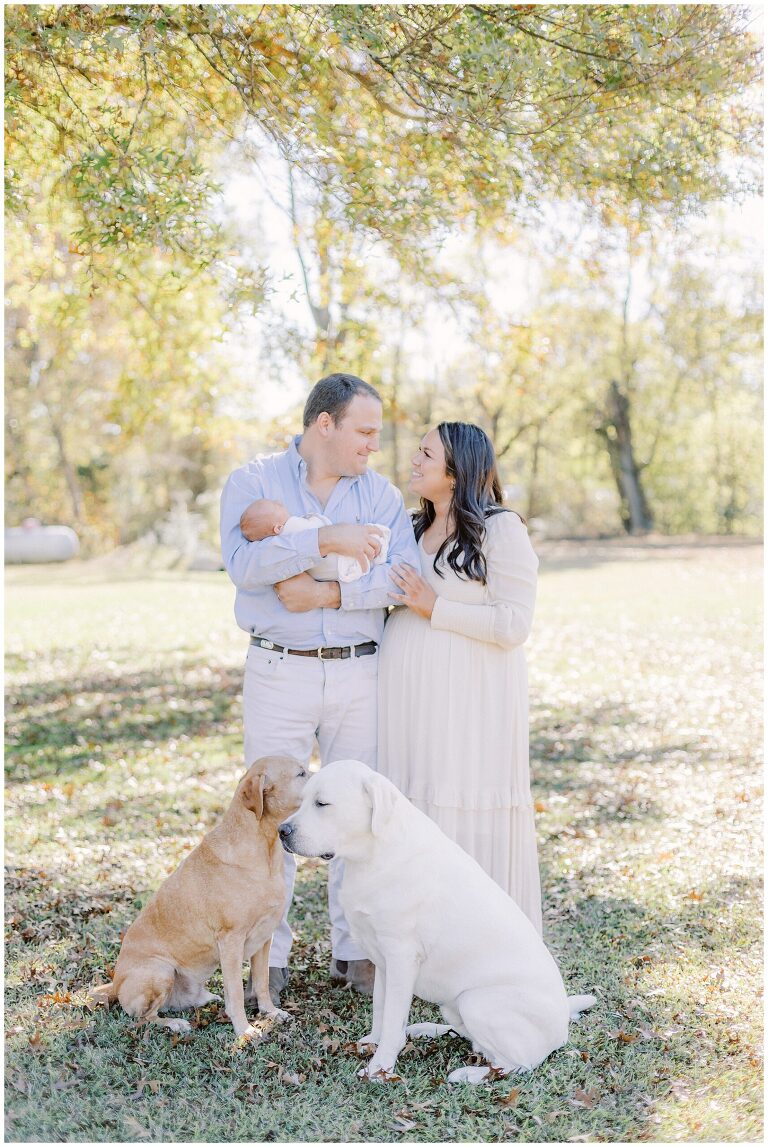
column 358, row 973
column 278, row 978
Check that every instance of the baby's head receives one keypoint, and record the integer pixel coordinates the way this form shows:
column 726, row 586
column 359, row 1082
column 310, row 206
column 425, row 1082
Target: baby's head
column 264, row 517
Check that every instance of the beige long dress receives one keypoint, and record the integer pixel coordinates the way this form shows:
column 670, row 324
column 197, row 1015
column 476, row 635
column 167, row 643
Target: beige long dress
column 453, row 709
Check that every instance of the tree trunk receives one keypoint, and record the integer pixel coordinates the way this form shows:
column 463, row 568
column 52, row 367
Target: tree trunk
column 69, row 472
column 616, row 431
column 534, row 475
column 394, row 414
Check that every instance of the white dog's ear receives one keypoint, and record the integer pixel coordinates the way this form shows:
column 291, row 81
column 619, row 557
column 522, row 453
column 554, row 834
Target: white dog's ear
column 383, row 798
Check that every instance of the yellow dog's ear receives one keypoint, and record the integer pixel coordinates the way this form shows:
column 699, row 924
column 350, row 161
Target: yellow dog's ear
column 253, row 794
column 383, row 797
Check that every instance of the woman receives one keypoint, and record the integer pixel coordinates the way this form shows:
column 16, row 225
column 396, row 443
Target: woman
column 453, row 708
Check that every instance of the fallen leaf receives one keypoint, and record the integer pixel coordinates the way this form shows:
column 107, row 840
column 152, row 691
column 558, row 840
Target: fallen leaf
column 694, row 895
column 510, row 1099
column 381, row 1074
column 188, row 1038
column 399, row 1124
column 585, row 1098
column 624, row 1036
column 55, row 999
column 136, row 1129
column 36, row 1041
column 20, row 1082
column 292, row 1077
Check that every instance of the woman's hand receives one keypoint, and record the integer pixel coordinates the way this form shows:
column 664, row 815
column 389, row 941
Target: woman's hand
column 416, row 593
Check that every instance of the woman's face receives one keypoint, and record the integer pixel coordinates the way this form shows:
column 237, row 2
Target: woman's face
column 428, row 477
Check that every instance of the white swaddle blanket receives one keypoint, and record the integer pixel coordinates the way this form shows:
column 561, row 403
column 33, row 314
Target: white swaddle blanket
column 336, row 567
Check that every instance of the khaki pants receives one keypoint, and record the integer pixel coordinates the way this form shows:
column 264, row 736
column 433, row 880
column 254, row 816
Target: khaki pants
column 289, row 701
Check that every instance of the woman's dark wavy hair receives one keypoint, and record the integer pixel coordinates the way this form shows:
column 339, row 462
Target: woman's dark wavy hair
column 471, row 461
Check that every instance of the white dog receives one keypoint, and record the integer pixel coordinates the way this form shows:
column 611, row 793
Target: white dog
column 434, row 924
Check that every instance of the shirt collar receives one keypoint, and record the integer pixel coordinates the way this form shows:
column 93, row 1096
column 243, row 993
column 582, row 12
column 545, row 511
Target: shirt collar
column 297, row 462
column 300, row 467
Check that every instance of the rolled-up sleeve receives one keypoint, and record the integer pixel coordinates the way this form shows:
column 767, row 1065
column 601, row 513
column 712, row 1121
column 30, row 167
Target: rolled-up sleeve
column 507, row 617
column 254, row 564
column 372, row 590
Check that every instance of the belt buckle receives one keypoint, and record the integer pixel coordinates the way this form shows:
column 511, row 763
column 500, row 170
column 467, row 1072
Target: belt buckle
column 266, row 644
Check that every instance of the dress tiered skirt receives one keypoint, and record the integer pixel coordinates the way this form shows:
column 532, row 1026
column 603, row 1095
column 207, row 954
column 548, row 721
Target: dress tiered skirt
column 453, row 737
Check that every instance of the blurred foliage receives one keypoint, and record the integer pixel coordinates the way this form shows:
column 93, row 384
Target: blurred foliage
column 409, row 115
column 398, row 127
column 112, row 403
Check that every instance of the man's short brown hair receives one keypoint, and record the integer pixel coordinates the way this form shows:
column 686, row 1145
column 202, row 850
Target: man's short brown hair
column 333, row 395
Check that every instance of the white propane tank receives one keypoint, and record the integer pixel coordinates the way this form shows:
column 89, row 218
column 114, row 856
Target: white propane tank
column 31, row 543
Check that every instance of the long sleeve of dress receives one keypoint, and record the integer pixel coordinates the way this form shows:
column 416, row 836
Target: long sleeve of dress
column 507, row 616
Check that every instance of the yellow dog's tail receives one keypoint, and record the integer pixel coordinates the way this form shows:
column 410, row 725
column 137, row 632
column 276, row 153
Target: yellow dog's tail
column 102, row 994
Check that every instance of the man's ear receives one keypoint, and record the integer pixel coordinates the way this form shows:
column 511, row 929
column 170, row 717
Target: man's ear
column 383, row 797
column 324, row 422
column 253, row 794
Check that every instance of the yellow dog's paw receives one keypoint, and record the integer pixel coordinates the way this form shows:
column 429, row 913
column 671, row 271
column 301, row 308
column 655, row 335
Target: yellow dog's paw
column 178, row 1026
column 278, row 1016
column 250, row 1035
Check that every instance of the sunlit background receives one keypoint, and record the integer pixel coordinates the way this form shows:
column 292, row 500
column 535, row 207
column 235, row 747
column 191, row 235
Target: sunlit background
column 546, row 219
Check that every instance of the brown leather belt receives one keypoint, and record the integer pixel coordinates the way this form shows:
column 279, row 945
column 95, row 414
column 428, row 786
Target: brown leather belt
column 325, row 652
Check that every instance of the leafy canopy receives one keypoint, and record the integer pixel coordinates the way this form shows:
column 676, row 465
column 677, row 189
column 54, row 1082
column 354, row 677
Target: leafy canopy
column 412, row 117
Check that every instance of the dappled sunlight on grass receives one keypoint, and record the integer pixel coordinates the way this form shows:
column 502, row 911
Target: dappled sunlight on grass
column 124, row 746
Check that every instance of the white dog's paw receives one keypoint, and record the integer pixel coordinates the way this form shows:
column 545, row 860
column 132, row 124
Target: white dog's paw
column 366, row 1041
column 468, row 1074
column 427, row 1031
column 179, row 1026
column 377, row 1072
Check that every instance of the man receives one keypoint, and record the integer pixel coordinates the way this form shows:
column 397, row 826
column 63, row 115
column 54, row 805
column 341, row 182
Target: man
column 312, row 663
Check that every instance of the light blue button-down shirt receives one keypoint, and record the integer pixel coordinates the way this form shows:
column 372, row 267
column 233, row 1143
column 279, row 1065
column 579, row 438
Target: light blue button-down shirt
column 254, row 567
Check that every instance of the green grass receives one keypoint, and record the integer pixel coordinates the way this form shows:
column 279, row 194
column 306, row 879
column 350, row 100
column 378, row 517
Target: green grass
column 124, row 746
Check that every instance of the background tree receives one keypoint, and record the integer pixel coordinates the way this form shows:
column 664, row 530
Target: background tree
column 410, row 116
column 402, row 129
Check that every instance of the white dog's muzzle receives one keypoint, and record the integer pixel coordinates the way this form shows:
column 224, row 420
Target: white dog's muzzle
column 288, row 838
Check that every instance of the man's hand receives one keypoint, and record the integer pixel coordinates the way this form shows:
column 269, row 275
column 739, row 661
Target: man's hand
column 301, row 593
column 362, row 543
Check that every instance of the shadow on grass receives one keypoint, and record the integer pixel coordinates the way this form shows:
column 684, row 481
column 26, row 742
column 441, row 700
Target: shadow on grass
column 562, row 741
column 53, row 727
column 613, row 935
column 50, row 906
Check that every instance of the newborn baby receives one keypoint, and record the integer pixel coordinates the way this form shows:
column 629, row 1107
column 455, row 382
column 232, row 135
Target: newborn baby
column 265, row 517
